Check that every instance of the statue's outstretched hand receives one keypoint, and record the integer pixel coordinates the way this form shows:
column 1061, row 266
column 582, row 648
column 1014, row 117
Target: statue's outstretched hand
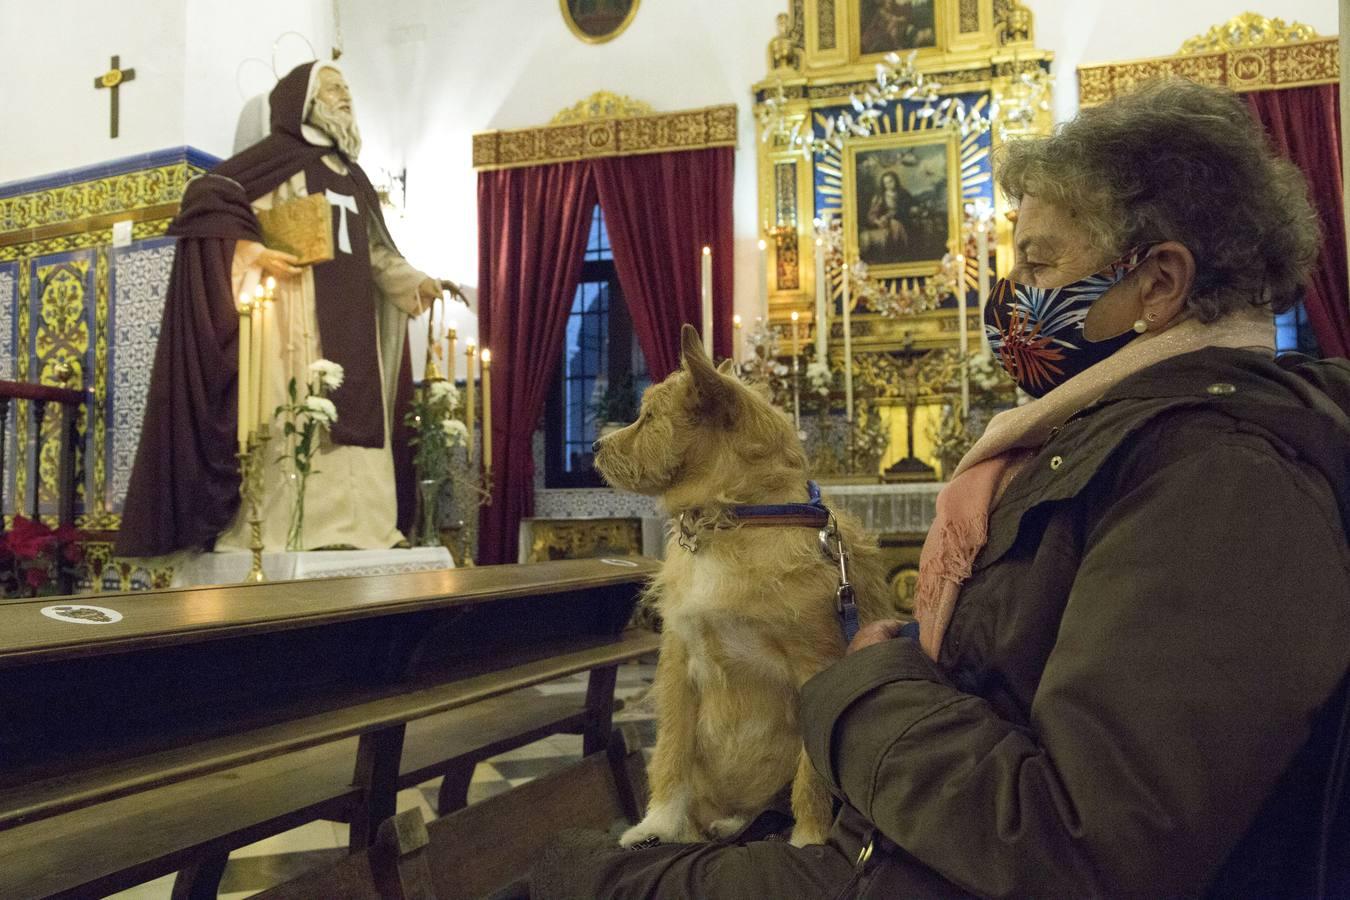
column 279, row 264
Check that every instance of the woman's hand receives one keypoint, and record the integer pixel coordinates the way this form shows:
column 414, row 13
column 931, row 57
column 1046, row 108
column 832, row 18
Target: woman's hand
column 279, row 264
column 875, row 633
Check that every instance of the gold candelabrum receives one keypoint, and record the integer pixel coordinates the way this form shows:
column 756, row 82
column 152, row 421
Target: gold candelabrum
column 251, row 462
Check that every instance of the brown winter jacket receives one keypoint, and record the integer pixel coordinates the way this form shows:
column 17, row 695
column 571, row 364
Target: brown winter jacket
column 1126, row 698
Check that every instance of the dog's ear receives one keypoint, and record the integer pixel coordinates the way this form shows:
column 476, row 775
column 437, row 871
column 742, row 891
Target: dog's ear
column 710, row 394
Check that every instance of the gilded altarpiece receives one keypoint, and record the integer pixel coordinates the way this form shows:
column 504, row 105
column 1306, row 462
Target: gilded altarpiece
column 976, row 49
column 78, row 312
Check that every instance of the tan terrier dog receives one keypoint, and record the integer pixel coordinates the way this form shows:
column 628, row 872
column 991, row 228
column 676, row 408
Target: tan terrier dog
column 749, row 612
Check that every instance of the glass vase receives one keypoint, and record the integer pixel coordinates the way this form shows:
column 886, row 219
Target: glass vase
column 429, row 520
column 295, row 533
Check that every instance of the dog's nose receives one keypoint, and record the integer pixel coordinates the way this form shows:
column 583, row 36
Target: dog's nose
column 595, row 447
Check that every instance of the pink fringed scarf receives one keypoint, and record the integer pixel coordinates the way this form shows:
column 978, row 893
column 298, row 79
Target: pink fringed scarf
column 961, row 527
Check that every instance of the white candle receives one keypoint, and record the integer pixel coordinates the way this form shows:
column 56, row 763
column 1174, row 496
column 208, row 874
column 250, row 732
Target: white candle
column 245, row 405
column 963, row 329
column 468, row 392
column 707, row 302
column 736, row 342
column 487, row 409
column 450, row 336
column 982, row 248
column 822, row 320
column 763, row 279
column 796, row 391
column 848, row 348
column 259, row 351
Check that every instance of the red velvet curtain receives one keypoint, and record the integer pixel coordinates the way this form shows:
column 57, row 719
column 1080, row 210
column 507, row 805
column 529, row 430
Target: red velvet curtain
column 1304, row 125
column 532, row 228
column 662, row 209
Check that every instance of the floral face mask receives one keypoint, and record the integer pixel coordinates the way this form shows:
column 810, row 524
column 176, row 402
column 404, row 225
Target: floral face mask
column 1037, row 333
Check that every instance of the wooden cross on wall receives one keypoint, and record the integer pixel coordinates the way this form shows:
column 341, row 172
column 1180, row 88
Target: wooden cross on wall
column 112, row 79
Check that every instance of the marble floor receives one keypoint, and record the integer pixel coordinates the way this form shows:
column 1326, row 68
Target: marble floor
column 269, row 862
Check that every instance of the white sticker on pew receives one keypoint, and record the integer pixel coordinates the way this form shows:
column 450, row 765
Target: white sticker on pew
column 82, row 615
column 624, row 563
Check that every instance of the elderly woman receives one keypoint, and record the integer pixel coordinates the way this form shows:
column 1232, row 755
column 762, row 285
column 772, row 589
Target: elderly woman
column 1134, row 609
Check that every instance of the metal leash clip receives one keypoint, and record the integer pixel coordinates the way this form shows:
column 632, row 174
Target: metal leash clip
column 845, row 600
column 688, row 537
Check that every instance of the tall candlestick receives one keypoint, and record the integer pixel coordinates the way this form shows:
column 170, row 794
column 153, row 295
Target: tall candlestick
column 822, row 286
column 848, row 346
column 430, row 363
column 245, row 418
column 487, row 409
column 707, row 303
column 468, row 392
column 763, row 279
column 259, row 349
column 269, row 325
column 450, row 359
column 982, row 248
column 736, row 339
column 963, row 330
column 796, row 391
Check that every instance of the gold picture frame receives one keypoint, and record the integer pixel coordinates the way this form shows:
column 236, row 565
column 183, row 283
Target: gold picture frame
column 926, row 22
column 604, row 21
column 892, row 182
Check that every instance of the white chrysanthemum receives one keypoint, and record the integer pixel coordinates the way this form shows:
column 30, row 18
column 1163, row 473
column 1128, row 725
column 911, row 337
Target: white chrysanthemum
column 819, row 377
column 328, row 372
column 321, row 408
column 444, row 391
column 455, row 432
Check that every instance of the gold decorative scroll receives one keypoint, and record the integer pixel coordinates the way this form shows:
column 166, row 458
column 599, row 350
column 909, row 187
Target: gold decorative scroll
column 1246, row 69
column 603, row 105
column 1246, row 31
column 592, row 138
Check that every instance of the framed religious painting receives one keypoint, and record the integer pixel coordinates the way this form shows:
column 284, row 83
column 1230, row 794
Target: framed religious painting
column 897, row 26
column 597, row 21
column 902, row 201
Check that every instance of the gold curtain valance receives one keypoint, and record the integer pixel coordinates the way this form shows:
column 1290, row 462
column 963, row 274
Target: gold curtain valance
column 631, row 135
column 1248, row 53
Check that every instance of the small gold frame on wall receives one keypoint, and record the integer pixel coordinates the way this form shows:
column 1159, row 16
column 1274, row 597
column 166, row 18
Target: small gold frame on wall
column 880, row 161
column 597, row 17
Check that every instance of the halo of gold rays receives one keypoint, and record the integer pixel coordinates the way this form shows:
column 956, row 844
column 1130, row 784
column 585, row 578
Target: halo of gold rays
column 976, row 172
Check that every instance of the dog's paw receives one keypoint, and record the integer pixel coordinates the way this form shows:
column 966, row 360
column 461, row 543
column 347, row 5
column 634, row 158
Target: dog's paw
column 802, row 835
column 724, row 828
column 666, row 829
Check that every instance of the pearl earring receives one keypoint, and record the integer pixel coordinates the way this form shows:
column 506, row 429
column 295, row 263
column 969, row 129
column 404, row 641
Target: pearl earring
column 1140, row 326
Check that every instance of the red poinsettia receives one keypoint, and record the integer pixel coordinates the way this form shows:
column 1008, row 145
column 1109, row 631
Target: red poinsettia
column 28, row 539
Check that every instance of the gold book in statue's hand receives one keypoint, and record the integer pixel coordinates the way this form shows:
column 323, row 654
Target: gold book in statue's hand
column 302, row 227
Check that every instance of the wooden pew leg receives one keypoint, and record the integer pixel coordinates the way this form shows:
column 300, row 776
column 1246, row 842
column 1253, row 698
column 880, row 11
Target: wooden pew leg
column 377, row 761
column 454, row 793
column 599, row 710
column 200, row 880
column 617, row 753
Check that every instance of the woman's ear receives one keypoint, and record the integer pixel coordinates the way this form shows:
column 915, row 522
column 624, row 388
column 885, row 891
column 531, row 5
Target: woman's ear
column 1154, row 294
column 1165, row 282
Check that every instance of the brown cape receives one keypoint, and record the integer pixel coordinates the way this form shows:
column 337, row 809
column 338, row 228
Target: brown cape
column 184, row 488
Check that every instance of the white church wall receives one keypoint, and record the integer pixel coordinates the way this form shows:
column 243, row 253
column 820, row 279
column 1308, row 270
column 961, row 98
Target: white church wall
column 1083, row 32
column 52, row 52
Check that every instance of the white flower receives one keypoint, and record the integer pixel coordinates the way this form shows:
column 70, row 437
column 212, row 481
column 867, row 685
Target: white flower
column 328, row 372
column 455, row 432
column 444, row 391
column 322, row 409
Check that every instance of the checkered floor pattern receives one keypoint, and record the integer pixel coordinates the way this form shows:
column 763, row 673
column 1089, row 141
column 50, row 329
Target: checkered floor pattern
column 269, row 862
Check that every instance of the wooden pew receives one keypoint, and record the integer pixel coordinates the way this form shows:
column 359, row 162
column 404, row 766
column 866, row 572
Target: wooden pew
column 486, row 847
column 206, row 719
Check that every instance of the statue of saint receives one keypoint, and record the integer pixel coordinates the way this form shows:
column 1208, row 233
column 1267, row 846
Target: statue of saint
column 352, row 309
column 782, row 52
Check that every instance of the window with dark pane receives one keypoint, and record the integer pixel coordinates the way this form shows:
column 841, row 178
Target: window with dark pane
column 599, row 349
column 1293, row 331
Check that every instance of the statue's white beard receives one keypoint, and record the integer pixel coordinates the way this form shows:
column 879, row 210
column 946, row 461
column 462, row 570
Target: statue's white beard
column 340, row 126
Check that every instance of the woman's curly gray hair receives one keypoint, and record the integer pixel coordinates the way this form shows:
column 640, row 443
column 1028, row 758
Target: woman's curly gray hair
column 1178, row 161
